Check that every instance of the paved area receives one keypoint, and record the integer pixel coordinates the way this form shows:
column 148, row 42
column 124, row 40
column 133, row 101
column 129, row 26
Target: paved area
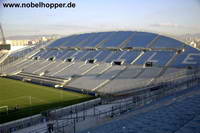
column 180, row 116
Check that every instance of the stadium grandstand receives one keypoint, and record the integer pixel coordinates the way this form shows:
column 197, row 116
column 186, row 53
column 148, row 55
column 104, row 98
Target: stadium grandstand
column 130, row 72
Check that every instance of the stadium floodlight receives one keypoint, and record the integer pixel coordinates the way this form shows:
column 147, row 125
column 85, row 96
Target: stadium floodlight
column 4, row 46
column 2, row 34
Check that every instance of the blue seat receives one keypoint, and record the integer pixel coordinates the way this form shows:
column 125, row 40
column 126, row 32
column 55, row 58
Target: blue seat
column 103, row 54
column 166, row 42
column 68, row 54
column 130, row 56
column 61, row 41
column 79, row 54
column 90, row 55
column 191, row 57
column 141, row 39
column 75, row 42
column 115, row 56
column 116, row 39
column 159, row 58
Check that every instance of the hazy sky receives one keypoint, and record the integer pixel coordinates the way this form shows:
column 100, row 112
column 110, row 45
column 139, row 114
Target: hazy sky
column 165, row 16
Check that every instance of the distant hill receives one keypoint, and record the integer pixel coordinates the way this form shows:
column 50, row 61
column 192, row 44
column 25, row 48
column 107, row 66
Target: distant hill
column 191, row 35
column 28, row 37
column 32, row 37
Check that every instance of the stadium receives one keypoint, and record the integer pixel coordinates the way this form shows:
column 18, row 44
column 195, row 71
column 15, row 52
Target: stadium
column 116, row 77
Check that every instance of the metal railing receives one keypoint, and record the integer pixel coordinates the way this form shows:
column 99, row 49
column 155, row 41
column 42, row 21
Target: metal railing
column 40, row 118
column 73, row 121
column 70, row 117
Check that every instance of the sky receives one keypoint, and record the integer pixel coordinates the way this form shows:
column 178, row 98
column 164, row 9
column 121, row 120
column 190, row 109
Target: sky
column 174, row 17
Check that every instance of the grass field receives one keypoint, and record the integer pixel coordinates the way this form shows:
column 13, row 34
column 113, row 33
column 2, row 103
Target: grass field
column 32, row 99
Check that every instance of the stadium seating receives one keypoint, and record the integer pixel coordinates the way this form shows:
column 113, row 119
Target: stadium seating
column 130, row 56
column 61, row 41
column 60, row 53
column 95, row 41
column 192, row 126
column 67, row 54
column 42, row 53
column 18, row 66
column 158, row 58
column 90, row 55
column 59, row 67
column 45, row 67
column 78, row 55
column 76, row 41
column 113, row 55
column 79, row 40
column 118, row 64
column 172, row 70
column 166, row 42
column 34, row 68
column 130, row 79
column 190, row 57
column 94, row 78
column 70, row 70
column 125, row 79
column 103, row 55
column 141, row 39
column 52, row 67
column 46, row 80
column 116, row 39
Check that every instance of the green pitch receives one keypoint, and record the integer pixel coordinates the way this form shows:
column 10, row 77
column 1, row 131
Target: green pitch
column 26, row 99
